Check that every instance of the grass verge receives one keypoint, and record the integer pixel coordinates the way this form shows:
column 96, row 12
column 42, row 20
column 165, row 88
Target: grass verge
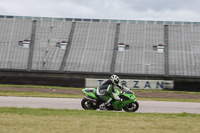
column 61, row 95
column 25, row 120
column 168, row 99
column 37, row 86
column 38, row 94
column 168, row 91
column 58, row 87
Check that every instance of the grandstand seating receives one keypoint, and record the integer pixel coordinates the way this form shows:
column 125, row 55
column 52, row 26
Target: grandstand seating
column 140, row 58
column 46, row 55
column 93, row 46
column 184, row 50
column 13, row 56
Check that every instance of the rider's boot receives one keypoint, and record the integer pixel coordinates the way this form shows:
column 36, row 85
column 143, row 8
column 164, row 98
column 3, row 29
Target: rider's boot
column 104, row 106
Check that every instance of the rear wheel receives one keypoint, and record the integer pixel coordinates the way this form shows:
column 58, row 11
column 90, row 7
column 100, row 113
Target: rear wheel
column 88, row 104
column 132, row 107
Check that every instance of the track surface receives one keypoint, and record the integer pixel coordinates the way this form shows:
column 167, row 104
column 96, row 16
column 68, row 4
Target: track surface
column 72, row 103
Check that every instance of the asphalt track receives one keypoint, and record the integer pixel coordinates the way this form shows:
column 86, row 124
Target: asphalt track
column 74, row 103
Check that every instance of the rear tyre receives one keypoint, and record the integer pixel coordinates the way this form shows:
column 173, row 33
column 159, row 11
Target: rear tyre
column 132, row 107
column 88, row 104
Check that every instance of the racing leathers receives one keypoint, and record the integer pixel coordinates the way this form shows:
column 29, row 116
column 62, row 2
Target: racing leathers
column 106, row 92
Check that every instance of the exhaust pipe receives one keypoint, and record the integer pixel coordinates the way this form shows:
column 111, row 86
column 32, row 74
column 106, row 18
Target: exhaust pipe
column 88, row 98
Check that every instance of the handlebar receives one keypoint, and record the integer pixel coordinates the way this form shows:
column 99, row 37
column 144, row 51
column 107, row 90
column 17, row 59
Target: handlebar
column 125, row 90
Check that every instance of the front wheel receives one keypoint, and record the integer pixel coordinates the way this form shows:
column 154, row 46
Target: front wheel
column 88, row 105
column 132, row 107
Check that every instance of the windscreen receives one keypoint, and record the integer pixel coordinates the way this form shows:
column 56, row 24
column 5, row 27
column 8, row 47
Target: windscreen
column 128, row 91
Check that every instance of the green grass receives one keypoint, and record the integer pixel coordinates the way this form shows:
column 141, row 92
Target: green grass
column 38, row 94
column 54, row 95
column 168, row 99
column 167, row 91
column 37, row 86
column 25, row 120
column 135, row 90
column 61, row 95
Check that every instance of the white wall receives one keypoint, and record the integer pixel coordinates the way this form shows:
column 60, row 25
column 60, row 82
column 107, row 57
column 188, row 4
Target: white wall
column 134, row 83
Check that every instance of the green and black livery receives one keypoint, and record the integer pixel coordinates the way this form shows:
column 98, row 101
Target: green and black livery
column 129, row 104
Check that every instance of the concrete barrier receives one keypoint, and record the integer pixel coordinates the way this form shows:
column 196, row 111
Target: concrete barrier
column 43, row 80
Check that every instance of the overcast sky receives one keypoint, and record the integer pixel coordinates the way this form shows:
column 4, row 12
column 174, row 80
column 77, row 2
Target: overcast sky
column 164, row 10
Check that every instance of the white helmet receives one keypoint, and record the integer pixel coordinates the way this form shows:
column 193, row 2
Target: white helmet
column 115, row 79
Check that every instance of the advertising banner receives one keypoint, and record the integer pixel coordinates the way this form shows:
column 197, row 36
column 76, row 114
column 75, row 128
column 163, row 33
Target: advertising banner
column 134, row 83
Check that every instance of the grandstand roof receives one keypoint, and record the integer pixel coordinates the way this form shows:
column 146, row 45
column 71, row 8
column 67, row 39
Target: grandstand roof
column 101, row 20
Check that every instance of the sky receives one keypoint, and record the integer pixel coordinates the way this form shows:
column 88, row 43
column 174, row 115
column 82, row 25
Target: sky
column 157, row 10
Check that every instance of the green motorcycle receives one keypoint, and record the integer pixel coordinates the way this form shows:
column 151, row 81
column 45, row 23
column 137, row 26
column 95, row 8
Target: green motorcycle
column 92, row 101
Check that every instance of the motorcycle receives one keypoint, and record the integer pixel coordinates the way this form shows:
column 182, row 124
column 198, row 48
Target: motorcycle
column 128, row 103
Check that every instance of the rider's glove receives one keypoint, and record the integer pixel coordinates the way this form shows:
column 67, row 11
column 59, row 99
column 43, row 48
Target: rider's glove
column 120, row 86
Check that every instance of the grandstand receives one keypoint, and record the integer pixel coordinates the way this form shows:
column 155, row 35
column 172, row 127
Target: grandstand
column 92, row 47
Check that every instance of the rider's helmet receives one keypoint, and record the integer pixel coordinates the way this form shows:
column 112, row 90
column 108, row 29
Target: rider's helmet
column 115, row 79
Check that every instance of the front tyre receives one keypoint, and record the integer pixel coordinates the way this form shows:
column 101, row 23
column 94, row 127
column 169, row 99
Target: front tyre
column 132, row 107
column 88, row 105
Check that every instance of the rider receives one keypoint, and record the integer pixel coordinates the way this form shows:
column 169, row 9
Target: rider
column 106, row 91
